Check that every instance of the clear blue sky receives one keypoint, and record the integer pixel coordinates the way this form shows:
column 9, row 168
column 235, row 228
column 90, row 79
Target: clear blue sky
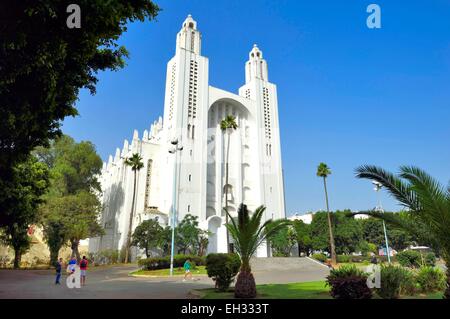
column 348, row 95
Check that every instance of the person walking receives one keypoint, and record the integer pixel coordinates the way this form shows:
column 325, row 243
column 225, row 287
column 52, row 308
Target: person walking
column 187, row 269
column 58, row 271
column 83, row 268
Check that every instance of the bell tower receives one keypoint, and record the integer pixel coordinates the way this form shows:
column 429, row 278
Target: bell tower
column 189, row 38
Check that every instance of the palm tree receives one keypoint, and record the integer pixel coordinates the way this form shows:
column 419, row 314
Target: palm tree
column 228, row 124
column 248, row 234
column 323, row 171
column 428, row 204
column 135, row 162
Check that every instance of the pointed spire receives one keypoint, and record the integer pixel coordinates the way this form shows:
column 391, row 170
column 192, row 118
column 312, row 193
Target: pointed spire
column 125, row 148
column 145, row 135
column 135, row 135
column 117, row 156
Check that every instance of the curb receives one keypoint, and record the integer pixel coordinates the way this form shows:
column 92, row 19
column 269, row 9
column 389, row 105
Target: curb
column 195, row 294
column 318, row 262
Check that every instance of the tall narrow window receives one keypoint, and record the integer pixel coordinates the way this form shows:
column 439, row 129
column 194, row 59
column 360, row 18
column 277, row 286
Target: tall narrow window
column 189, row 208
column 193, row 131
column 189, row 177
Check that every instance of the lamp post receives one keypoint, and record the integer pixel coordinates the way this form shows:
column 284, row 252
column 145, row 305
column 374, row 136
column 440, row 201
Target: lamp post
column 175, row 149
column 379, row 208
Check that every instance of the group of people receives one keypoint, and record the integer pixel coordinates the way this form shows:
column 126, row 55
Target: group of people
column 71, row 267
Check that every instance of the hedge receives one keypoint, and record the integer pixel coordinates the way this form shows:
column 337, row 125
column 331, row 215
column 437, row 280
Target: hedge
column 164, row 262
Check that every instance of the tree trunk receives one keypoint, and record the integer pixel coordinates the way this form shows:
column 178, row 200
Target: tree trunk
column 53, row 256
column 130, row 224
column 330, row 228
column 226, row 190
column 17, row 258
column 74, row 245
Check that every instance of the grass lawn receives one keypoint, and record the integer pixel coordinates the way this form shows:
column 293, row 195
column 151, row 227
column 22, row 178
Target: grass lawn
column 302, row 290
column 200, row 270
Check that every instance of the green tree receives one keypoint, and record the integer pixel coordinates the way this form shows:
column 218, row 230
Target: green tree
column 147, row 235
column 228, row 125
column 44, row 64
column 303, row 237
column 248, row 233
column 373, row 233
column 187, row 234
column 323, row 171
column 71, row 200
column 282, row 240
column 428, row 203
column 20, row 210
column 135, row 162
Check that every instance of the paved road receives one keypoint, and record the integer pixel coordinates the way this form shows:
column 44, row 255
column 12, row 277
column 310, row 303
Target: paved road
column 114, row 282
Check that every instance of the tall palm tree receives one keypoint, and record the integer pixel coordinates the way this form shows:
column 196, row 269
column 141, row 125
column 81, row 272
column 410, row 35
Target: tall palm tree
column 323, row 171
column 428, row 203
column 248, row 234
column 228, row 124
column 135, row 162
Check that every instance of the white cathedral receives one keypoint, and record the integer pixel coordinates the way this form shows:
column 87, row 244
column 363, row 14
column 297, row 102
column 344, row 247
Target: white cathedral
column 190, row 175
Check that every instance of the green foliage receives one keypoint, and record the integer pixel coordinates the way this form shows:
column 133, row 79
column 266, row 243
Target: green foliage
column 431, row 279
column 348, row 282
column 394, row 280
column 148, row 235
column 187, row 234
column 343, row 258
column 303, row 236
column 164, row 262
column 222, row 268
column 347, row 232
column 105, row 257
column 248, row 233
column 72, row 209
column 282, row 241
column 409, row 258
column 427, row 200
column 44, row 65
column 430, row 259
column 19, row 210
column 320, row 257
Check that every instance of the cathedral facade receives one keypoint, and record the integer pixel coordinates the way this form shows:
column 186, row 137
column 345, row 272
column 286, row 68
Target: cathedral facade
column 185, row 153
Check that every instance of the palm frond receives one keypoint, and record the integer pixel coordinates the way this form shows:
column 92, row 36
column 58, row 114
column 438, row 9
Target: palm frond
column 396, row 187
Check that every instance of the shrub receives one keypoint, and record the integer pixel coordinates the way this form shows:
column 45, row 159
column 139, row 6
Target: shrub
column 430, row 259
column 430, row 279
column 409, row 258
column 348, row 282
column 394, row 281
column 222, row 268
column 343, row 258
column 164, row 262
column 320, row 257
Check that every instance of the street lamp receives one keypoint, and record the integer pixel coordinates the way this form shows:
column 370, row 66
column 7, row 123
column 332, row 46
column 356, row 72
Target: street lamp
column 379, row 208
column 175, row 149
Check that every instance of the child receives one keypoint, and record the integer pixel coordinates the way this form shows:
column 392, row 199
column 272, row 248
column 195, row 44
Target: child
column 58, row 271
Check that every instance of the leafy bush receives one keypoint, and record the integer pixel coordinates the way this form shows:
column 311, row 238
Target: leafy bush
column 409, row 258
column 430, row 259
column 343, row 258
column 320, row 257
column 431, row 279
column 348, row 282
column 164, row 262
column 222, row 268
column 394, row 281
